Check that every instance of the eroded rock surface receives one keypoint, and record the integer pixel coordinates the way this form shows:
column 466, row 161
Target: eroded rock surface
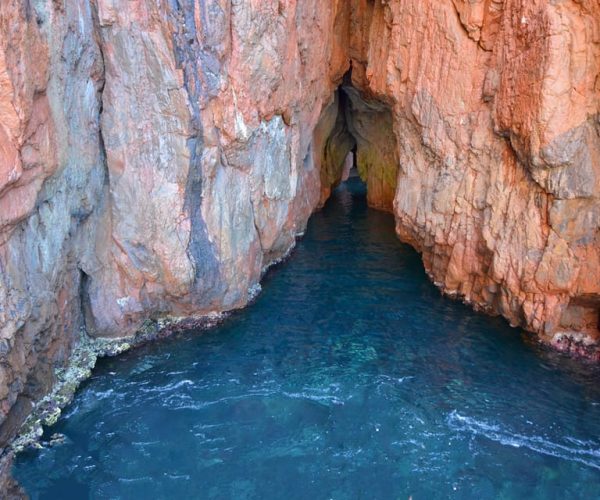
column 155, row 157
column 496, row 119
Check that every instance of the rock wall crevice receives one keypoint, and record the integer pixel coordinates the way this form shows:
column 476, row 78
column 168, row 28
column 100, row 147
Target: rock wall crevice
column 354, row 130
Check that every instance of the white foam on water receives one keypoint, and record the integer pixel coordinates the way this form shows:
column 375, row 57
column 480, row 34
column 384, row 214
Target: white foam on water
column 168, row 387
column 584, row 452
column 144, row 479
column 317, row 397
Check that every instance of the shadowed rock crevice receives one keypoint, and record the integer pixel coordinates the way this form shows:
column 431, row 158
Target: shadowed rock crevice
column 582, row 314
column 190, row 57
column 356, row 131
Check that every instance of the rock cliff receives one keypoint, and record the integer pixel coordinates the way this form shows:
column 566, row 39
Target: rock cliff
column 157, row 156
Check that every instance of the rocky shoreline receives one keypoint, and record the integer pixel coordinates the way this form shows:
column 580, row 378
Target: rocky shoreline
column 82, row 361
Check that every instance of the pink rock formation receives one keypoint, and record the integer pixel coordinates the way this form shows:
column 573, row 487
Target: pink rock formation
column 499, row 154
column 157, row 156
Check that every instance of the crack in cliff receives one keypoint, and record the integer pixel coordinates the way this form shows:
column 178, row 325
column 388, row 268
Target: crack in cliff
column 362, row 135
column 85, row 278
column 207, row 269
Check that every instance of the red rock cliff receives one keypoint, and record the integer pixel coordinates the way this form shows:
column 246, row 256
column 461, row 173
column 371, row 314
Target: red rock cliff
column 157, row 156
column 496, row 120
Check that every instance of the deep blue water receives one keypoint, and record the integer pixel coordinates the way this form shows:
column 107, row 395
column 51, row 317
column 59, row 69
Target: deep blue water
column 350, row 377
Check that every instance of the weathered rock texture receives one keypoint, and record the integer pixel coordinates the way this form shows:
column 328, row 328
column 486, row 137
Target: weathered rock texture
column 496, row 118
column 155, row 157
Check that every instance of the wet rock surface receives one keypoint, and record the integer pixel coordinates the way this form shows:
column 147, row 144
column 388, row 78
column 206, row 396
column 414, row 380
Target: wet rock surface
column 156, row 157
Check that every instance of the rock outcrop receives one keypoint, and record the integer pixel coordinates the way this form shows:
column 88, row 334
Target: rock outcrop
column 157, row 156
column 494, row 113
column 496, row 118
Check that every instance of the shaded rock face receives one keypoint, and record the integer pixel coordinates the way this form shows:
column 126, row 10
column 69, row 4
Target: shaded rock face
column 52, row 180
column 157, row 156
column 363, row 129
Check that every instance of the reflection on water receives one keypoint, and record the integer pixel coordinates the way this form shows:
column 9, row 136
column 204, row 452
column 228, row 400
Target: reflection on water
column 350, row 377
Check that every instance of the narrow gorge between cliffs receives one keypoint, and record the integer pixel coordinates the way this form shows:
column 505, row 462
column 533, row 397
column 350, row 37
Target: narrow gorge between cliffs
column 157, row 158
column 350, row 376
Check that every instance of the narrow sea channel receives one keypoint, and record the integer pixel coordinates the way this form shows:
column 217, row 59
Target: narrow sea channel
column 349, row 377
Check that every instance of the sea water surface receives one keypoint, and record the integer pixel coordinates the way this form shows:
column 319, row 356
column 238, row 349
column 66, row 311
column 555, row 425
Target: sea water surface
column 349, row 377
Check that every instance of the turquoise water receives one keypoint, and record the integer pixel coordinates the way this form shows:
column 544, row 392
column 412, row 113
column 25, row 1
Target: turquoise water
column 350, row 377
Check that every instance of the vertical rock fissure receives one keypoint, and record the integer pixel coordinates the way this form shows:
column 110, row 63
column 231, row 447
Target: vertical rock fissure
column 200, row 251
column 84, row 267
column 361, row 136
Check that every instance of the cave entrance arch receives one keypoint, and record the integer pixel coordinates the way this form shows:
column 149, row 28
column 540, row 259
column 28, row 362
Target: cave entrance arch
column 355, row 131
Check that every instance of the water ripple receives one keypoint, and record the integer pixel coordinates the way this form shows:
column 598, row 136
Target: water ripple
column 587, row 453
column 350, row 376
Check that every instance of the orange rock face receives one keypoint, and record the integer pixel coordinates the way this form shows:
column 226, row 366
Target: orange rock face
column 155, row 157
column 497, row 127
column 496, row 136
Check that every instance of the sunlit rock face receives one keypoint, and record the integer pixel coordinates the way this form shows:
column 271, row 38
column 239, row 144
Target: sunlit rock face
column 157, row 156
column 208, row 112
column 488, row 134
column 496, row 117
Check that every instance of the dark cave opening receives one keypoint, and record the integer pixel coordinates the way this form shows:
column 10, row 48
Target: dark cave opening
column 356, row 132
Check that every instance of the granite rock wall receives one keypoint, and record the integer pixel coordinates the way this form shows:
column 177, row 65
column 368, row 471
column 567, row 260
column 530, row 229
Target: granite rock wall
column 495, row 111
